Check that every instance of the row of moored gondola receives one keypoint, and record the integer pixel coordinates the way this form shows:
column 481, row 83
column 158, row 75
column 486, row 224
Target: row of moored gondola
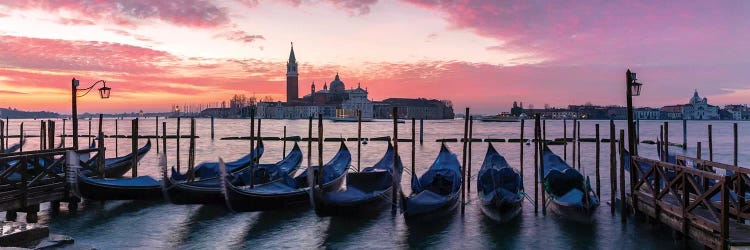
column 336, row 191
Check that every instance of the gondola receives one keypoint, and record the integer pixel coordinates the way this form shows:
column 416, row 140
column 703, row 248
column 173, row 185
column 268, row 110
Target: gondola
column 570, row 194
column 499, row 188
column 138, row 188
column 211, row 169
column 118, row 166
column 288, row 192
column 208, row 190
column 366, row 192
column 435, row 194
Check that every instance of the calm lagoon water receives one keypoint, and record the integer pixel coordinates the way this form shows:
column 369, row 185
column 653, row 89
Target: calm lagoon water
column 158, row 225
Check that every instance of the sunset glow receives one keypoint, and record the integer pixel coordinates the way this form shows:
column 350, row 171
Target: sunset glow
column 484, row 54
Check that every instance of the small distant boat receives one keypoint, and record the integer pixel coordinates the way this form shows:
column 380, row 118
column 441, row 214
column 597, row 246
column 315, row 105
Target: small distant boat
column 211, row 169
column 503, row 117
column 366, row 192
column 288, row 192
column 435, row 194
column 208, row 190
column 118, row 166
column 349, row 119
column 499, row 188
column 570, row 194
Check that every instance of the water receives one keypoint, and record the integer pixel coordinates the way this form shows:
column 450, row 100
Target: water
column 149, row 225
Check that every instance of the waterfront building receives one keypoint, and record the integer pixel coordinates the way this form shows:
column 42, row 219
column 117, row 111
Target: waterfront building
column 417, row 108
column 647, row 114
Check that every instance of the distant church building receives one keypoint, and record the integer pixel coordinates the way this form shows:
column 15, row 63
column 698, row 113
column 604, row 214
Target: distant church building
column 334, row 100
column 292, row 78
column 699, row 109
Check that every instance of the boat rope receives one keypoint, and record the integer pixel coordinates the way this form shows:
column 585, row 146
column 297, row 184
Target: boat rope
column 527, row 198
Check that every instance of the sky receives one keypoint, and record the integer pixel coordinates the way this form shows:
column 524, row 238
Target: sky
column 482, row 54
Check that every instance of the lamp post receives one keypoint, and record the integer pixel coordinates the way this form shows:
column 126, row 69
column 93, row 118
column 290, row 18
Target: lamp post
column 103, row 93
column 633, row 88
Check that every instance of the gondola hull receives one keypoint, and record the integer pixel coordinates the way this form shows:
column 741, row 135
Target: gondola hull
column 500, row 210
column 432, row 212
column 572, row 212
column 333, row 204
column 244, row 201
column 182, row 193
column 95, row 190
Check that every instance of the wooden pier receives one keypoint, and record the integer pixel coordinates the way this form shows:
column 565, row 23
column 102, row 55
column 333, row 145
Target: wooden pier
column 30, row 178
column 691, row 198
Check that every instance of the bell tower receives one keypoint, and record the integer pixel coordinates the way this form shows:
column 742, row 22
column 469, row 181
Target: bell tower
column 292, row 80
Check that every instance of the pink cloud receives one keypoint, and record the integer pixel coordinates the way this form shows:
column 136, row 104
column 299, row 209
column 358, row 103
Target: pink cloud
column 190, row 13
column 362, row 7
column 614, row 32
column 240, row 36
column 51, row 54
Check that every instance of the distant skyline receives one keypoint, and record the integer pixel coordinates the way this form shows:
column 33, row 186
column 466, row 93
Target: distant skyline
column 484, row 54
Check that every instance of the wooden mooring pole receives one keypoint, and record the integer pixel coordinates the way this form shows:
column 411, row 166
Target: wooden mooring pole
column 612, row 167
column 623, row 202
column 63, row 134
column 578, row 141
column 666, row 147
column 463, row 162
column 178, row 145
column 421, row 131
column 598, row 158
column 394, row 195
column 116, row 137
column 42, row 128
column 468, row 164
column 7, row 131
column 101, row 130
column 542, row 144
column 89, row 135
column 191, row 151
column 309, row 144
column 520, row 144
column 413, row 147
column 565, row 140
column 359, row 138
column 684, row 134
column 319, row 173
column 156, row 126
column 212, row 128
column 283, row 139
column 574, row 143
column 163, row 139
column 2, row 135
column 20, row 137
column 51, row 134
column 710, row 143
column 100, row 159
column 536, row 164
column 252, row 148
column 736, row 145
column 134, row 146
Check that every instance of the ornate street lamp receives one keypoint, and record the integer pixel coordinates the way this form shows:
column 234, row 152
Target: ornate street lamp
column 103, row 93
column 633, row 88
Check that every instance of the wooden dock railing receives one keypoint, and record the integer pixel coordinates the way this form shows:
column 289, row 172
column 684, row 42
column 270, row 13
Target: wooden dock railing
column 738, row 181
column 692, row 201
column 30, row 178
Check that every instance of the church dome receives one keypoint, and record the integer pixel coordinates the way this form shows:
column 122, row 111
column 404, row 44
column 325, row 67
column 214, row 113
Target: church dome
column 337, row 85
